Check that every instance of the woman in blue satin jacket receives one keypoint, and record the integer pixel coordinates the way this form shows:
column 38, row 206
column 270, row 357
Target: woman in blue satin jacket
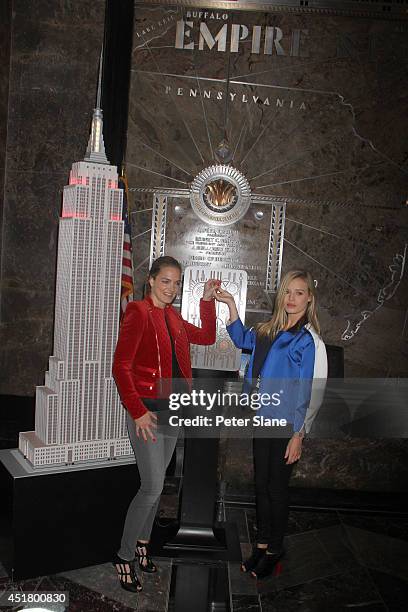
column 287, row 352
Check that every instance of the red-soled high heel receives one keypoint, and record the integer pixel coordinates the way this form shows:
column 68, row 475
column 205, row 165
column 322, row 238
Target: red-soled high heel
column 267, row 566
column 251, row 563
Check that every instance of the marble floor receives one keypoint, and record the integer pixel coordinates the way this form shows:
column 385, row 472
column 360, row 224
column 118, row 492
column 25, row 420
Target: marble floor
column 334, row 561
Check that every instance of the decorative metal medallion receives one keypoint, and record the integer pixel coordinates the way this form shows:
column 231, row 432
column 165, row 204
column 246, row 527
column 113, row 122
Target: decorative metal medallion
column 220, row 195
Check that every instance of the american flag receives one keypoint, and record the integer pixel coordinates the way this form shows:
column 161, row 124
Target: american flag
column 126, row 293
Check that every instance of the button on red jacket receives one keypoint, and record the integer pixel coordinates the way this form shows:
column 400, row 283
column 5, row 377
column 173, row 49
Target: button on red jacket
column 143, row 352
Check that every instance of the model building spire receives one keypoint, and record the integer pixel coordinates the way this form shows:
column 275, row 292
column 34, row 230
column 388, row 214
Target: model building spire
column 95, row 151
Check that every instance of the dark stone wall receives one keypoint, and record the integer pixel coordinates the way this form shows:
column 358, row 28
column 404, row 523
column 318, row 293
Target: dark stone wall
column 347, row 464
column 357, row 142
column 341, row 160
column 5, row 40
column 324, row 126
column 51, row 93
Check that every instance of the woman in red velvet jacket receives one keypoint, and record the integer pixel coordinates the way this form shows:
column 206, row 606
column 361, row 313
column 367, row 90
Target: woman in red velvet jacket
column 153, row 346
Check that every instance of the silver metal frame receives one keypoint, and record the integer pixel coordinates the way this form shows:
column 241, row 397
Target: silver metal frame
column 158, row 236
column 276, row 234
column 275, row 250
column 261, row 199
column 392, row 9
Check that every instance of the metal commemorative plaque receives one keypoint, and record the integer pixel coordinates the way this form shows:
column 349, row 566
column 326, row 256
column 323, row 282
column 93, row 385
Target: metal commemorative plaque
column 217, row 223
column 253, row 243
column 222, row 355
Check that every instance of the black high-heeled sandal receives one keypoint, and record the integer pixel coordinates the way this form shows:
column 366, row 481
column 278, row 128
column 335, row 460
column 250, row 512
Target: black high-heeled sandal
column 253, row 560
column 126, row 569
column 269, row 564
column 145, row 562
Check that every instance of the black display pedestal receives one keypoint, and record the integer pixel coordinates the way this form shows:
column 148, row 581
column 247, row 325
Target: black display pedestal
column 203, row 585
column 196, row 535
column 196, row 531
column 65, row 518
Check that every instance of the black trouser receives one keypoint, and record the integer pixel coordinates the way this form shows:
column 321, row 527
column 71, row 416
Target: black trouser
column 272, row 476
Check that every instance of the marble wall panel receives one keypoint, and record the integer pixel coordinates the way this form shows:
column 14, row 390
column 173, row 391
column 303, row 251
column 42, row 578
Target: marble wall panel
column 341, row 464
column 331, row 138
column 62, row 14
column 27, row 284
column 39, row 144
column 5, row 40
column 325, row 128
column 53, row 77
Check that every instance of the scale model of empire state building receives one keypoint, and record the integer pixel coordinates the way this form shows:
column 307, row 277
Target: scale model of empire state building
column 78, row 414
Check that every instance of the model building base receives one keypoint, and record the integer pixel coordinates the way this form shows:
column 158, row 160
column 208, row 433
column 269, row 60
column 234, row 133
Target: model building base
column 64, row 518
column 42, row 455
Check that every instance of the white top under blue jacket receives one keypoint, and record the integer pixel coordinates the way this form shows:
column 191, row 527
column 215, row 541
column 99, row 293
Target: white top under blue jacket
column 295, row 364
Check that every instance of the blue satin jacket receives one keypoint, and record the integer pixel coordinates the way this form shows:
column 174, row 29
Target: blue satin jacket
column 295, row 367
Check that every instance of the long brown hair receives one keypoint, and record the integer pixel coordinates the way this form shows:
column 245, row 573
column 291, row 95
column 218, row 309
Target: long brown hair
column 279, row 318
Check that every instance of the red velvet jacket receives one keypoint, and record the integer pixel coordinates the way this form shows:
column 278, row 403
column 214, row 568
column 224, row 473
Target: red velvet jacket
column 143, row 352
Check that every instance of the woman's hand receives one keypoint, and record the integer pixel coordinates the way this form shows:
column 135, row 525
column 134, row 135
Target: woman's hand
column 209, row 288
column 293, row 449
column 224, row 296
column 146, row 425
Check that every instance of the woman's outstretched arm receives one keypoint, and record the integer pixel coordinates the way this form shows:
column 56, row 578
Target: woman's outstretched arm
column 242, row 336
column 207, row 332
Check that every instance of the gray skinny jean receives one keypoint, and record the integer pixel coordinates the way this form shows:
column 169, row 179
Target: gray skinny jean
column 152, row 459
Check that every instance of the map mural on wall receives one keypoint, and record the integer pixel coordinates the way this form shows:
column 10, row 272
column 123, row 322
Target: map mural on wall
column 313, row 111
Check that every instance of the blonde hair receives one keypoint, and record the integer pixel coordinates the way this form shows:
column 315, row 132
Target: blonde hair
column 279, row 319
